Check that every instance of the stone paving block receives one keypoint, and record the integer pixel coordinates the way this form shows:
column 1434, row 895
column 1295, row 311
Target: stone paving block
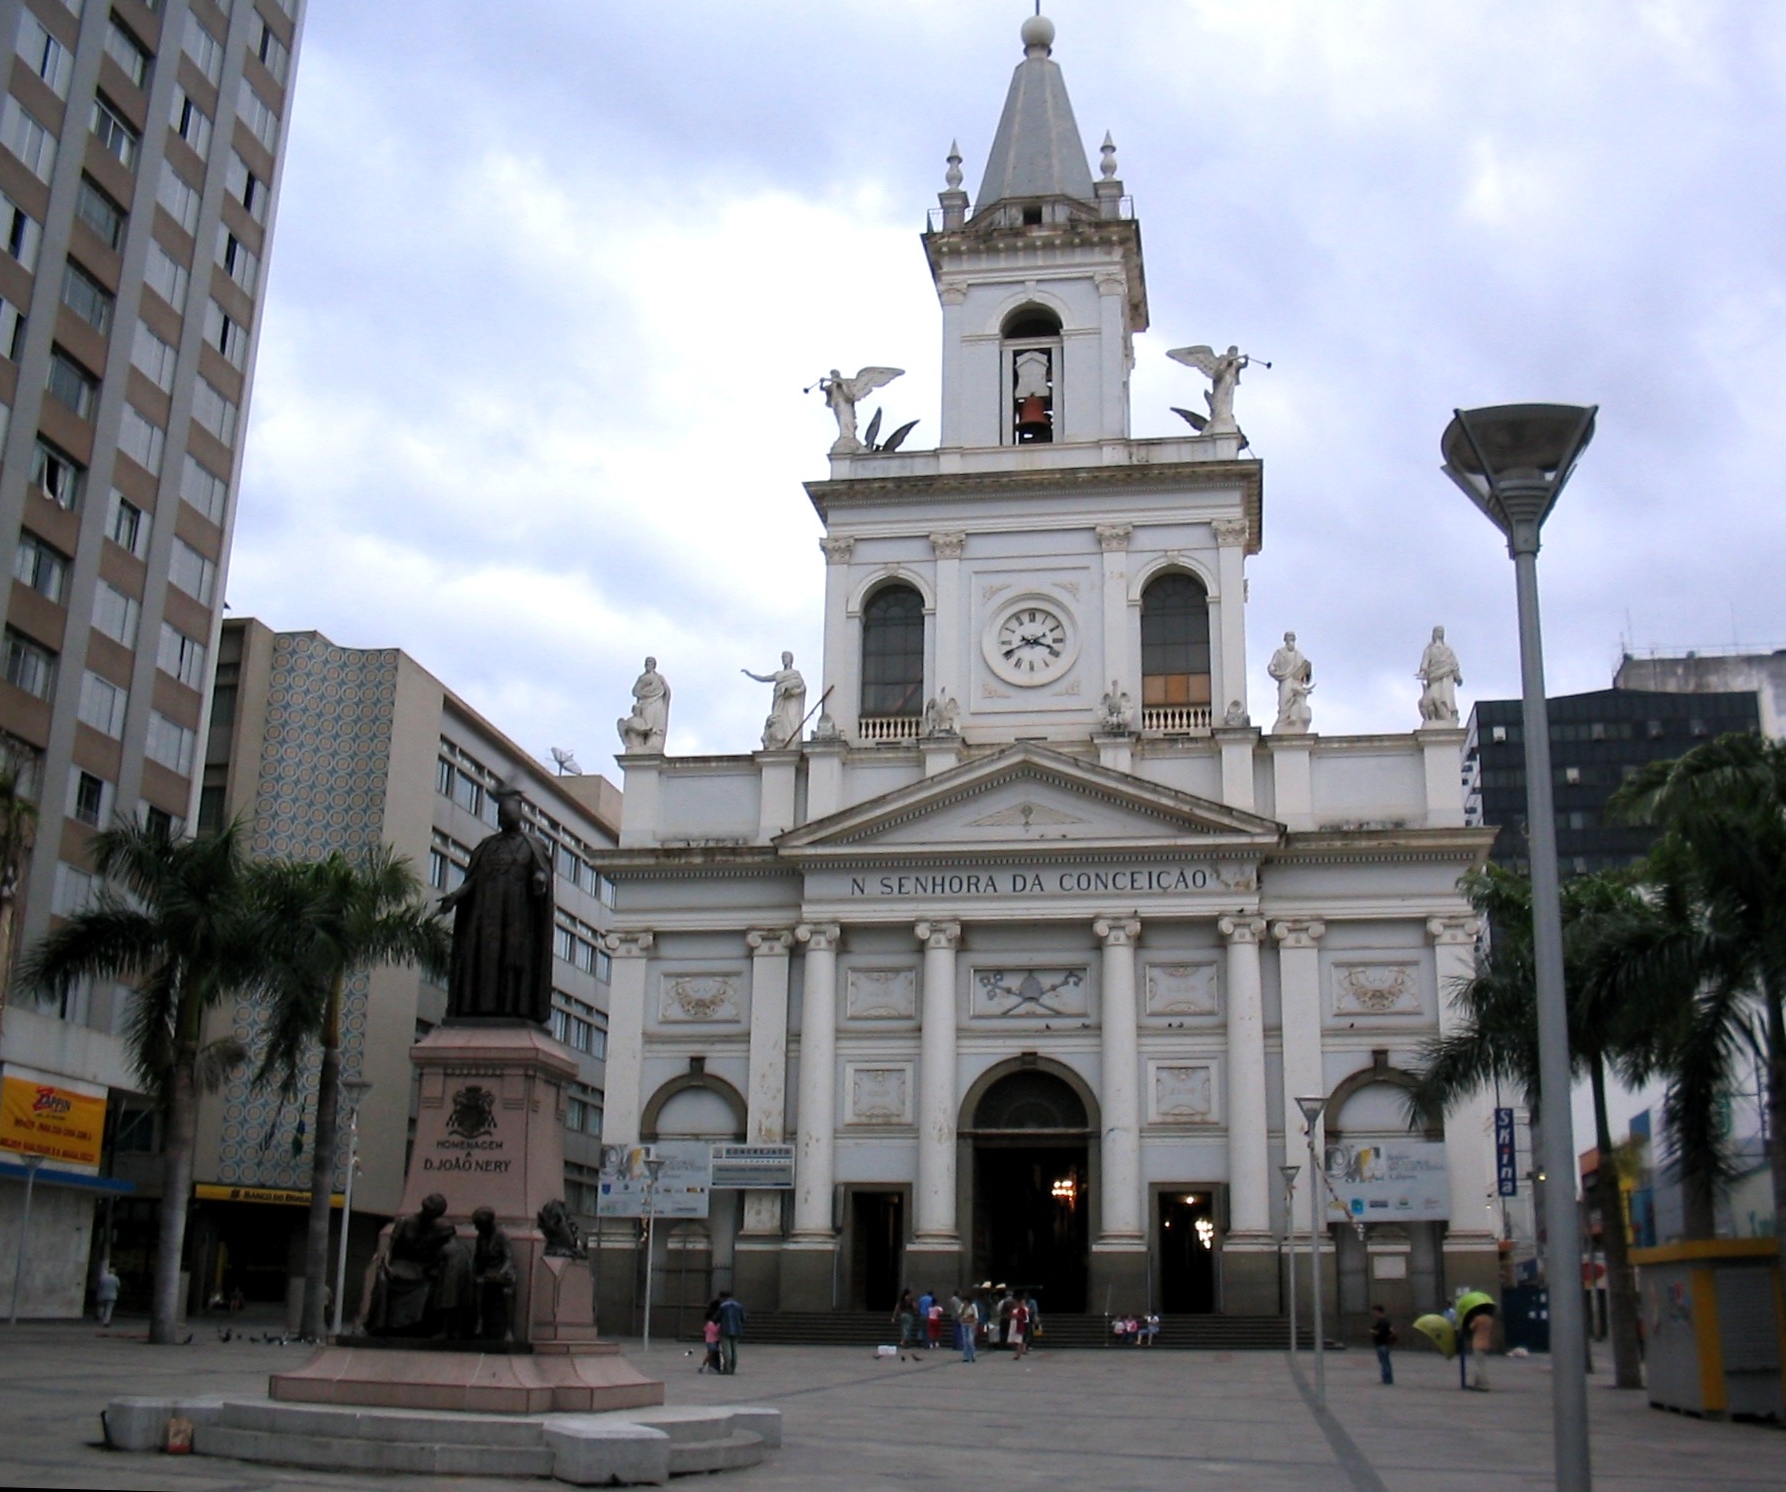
column 139, row 1422
column 765, row 1424
column 726, row 1454
column 315, row 1452
column 594, row 1451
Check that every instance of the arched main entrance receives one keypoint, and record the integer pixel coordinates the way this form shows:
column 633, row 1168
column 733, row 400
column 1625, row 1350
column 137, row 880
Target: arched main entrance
column 1032, row 1190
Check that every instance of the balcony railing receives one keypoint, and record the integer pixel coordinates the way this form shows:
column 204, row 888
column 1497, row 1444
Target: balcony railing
column 873, row 729
column 1176, row 720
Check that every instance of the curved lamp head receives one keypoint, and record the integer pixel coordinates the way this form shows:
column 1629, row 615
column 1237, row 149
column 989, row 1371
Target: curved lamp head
column 1512, row 460
column 1311, row 1108
column 354, row 1091
column 1289, row 1173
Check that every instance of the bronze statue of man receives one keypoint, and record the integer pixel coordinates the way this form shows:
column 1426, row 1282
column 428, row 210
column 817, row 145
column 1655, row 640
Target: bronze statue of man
column 502, row 925
column 423, row 1286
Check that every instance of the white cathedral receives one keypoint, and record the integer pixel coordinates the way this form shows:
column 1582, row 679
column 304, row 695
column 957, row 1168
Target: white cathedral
column 1031, row 945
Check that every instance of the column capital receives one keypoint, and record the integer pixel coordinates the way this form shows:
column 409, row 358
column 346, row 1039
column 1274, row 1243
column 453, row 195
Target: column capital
column 769, row 942
column 1242, row 929
column 628, row 944
column 1229, row 532
column 939, row 935
column 838, row 549
column 1453, row 930
column 819, row 937
column 1299, row 932
column 1115, row 535
column 950, row 545
column 1116, row 932
column 952, row 294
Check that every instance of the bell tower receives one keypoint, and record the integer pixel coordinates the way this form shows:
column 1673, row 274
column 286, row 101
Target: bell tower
column 1041, row 288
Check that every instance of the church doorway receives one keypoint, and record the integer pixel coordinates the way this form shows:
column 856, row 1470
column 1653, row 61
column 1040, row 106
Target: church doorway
column 1032, row 1194
column 1188, row 1246
column 877, row 1231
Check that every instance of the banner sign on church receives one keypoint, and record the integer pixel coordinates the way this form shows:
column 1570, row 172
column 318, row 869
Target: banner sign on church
column 1021, row 883
column 1388, row 1181
column 682, row 1188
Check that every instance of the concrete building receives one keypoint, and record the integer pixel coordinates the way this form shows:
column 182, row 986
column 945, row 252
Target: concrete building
column 139, row 180
column 1031, row 945
column 1763, row 674
column 318, row 748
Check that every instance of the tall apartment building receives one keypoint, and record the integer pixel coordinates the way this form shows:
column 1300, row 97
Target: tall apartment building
column 317, row 747
column 140, row 154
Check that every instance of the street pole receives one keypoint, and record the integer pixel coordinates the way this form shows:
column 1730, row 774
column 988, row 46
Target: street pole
column 652, row 1167
column 1289, row 1174
column 353, row 1161
column 31, row 1163
column 1314, row 1260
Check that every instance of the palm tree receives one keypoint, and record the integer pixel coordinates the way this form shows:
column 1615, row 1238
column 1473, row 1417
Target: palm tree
column 1609, row 1029
column 18, row 829
column 1722, row 810
column 177, row 919
column 336, row 917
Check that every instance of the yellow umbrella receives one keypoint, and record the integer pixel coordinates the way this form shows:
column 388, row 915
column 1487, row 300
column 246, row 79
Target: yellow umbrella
column 1440, row 1332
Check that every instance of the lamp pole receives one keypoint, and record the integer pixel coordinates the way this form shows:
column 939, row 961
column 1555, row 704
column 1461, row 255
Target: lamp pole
column 1289, row 1174
column 653, row 1168
column 31, row 1163
column 1311, row 1114
column 354, row 1090
column 1512, row 461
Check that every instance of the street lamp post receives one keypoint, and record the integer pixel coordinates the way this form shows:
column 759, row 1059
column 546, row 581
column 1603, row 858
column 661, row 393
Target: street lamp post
column 654, row 1165
column 354, row 1091
column 1311, row 1114
column 1512, row 461
column 1289, row 1175
column 31, row 1163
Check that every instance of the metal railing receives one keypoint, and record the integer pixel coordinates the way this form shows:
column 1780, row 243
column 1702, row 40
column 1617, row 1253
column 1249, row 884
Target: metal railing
column 1176, row 720
column 872, row 729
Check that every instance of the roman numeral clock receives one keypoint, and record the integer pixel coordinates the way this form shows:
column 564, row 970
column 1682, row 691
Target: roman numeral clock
column 1031, row 640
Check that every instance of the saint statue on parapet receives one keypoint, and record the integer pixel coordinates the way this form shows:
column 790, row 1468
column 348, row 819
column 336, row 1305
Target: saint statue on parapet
column 843, row 394
column 1295, row 677
column 1440, row 674
column 649, row 723
column 787, row 705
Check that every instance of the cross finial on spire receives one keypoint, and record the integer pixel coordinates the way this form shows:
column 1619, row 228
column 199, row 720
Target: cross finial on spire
column 1107, row 166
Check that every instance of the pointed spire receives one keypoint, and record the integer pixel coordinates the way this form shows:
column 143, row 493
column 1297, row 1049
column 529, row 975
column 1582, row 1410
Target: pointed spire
column 1038, row 151
column 952, row 177
column 1107, row 166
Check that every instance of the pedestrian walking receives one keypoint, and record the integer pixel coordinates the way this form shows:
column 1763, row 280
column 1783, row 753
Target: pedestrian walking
column 905, row 1315
column 970, row 1328
column 933, row 1324
column 107, row 1294
column 710, row 1335
column 1017, row 1329
column 1383, row 1338
column 955, row 1319
column 925, row 1302
column 731, row 1327
column 1481, row 1332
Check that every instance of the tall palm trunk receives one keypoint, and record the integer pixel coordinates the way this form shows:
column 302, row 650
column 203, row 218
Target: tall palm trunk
column 322, row 1164
column 176, row 1192
column 1621, row 1283
column 1776, row 1111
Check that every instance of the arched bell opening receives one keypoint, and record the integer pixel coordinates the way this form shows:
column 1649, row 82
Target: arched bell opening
column 1029, row 368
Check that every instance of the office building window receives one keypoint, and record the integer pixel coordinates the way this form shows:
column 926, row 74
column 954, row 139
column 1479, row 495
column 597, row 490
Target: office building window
column 43, row 54
column 27, row 139
column 74, row 891
column 257, row 114
column 181, row 657
column 211, row 806
column 153, row 357
column 86, row 297
column 127, row 525
column 57, row 476
column 89, row 798
column 191, row 123
column 247, row 188
column 141, row 439
column 12, row 330
column 29, row 665
column 129, row 53
column 206, row 491
column 271, row 51
column 115, row 136
column 203, row 48
column 23, row 232
column 165, row 277
column 39, row 566
column 94, row 208
column 192, row 572
column 226, row 334
column 103, row 705
column 604, row 966
column 170, row 744
column 178, row 199
column 216, row 413
column 116, row 614
column 72, row 384
column 238, row 261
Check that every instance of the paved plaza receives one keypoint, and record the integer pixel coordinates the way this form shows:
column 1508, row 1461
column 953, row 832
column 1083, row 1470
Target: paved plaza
column 1114, row 1418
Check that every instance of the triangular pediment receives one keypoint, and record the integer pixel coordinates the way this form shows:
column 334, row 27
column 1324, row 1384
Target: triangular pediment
column 1029, row 795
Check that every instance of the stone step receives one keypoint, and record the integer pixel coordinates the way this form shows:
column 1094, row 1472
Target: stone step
column 443, row 1427
column 365, row 1453
column 740, row 1448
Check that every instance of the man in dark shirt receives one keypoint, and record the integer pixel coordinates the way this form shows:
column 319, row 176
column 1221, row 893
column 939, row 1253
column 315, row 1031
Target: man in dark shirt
column 1382, row 1338
column 731, row 1327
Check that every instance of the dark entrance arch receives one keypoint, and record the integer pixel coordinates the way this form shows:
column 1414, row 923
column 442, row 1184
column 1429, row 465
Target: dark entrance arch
column 1031, row 1130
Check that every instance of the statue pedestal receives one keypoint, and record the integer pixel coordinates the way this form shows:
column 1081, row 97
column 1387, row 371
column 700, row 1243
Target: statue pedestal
column 489, row 1133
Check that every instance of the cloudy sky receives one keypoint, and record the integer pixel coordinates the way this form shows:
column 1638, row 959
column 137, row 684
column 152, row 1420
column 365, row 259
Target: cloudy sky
column 550, row 277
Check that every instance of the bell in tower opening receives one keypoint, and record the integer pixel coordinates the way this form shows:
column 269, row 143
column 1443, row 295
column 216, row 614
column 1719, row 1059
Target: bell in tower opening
column 1035, row 332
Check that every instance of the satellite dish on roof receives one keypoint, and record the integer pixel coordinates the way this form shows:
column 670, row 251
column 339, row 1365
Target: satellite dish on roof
column 567, row 763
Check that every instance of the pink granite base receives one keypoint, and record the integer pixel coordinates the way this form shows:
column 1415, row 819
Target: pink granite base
column 592, row 1378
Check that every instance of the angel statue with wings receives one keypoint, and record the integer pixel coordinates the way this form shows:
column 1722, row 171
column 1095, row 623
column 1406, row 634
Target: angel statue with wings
column 1222, row 369
column 843, row 394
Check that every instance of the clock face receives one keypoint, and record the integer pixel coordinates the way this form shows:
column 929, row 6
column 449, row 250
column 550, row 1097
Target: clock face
column 1030, row 642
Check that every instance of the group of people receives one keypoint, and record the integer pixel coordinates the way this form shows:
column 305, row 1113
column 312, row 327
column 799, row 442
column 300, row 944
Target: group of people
column 1475, row 1333
column 983, row 1315
column 1136, row 1331
column 720, row 1331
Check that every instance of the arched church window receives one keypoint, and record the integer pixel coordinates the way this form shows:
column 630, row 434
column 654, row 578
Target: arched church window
column 893, row 654
column 1030, row 371
column 1175, row 685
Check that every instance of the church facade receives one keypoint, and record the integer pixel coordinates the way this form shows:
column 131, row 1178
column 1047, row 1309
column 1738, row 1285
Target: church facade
column 1031, row 944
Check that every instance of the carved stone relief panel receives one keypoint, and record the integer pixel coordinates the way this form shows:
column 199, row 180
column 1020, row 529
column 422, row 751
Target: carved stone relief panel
column 1182, row 1092
column 1376, row 989
column 1033, row 994
column 881, row 995
column 879, row 1094
column 700, row 998
column 1185, row 989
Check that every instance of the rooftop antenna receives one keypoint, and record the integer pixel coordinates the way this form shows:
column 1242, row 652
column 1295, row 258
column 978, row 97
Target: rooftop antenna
column 567, row 763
